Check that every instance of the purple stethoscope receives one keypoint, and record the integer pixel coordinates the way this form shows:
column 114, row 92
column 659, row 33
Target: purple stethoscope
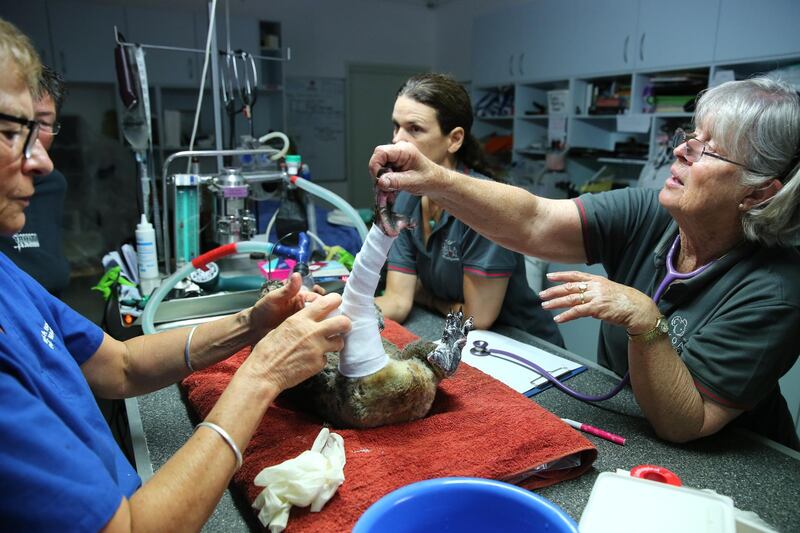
column 481, row 348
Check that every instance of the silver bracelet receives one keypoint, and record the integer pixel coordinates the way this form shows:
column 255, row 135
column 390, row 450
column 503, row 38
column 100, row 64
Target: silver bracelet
column 227, row 438
column 186, row 349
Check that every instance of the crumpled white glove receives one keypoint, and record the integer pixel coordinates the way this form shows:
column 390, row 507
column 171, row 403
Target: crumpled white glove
column 311, row 478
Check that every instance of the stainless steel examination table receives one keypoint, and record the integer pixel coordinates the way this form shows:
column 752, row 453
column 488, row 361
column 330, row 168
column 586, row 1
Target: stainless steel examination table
column 760, row 475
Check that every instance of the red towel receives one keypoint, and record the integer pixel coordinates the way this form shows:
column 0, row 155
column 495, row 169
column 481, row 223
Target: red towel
column 477, row 427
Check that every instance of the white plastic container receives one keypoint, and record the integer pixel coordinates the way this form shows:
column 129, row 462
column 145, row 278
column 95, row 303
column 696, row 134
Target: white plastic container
column 625, row 504
column 147, row 256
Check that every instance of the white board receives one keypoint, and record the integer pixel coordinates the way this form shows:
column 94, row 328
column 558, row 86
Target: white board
column 316, row 124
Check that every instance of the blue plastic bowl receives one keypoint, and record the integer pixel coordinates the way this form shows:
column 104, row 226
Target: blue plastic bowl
column 463, row 504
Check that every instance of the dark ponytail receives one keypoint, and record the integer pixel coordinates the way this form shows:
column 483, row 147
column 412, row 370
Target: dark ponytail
column 453, row 109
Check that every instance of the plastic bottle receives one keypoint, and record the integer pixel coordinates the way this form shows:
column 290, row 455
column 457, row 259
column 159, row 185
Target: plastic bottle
column 293, row 164
column 146, row 256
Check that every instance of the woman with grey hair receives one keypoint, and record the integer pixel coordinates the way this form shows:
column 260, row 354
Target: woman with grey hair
column 702, row 301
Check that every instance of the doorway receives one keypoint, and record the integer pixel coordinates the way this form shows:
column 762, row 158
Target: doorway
column 371, row 91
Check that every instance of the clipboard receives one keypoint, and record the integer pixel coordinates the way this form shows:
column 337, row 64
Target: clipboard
column 516, row 375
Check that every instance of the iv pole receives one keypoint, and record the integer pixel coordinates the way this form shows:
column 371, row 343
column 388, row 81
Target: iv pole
column 161, row 226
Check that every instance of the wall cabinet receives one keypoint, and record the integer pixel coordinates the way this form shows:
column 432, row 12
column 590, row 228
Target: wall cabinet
column 749, row 30
column 499, row 46
column 557, row 38
column 678, row 33
column 166, row 27
column 83, row 39
column 32, row 20
column 586, row 36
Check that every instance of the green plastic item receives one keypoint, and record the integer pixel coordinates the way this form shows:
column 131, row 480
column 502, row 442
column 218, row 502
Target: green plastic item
column 112, row 276
column 337, row 253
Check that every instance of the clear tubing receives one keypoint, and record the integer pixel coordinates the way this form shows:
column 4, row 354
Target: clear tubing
column 337, row 201
column 246, row 247
column 276, row 135
column 148, row 326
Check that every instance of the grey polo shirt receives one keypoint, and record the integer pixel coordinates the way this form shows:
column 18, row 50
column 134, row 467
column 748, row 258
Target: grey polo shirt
column 735, row 325
column 454, row 249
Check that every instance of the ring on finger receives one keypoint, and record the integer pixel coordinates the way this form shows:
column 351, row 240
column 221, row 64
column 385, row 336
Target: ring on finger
column 583, row 298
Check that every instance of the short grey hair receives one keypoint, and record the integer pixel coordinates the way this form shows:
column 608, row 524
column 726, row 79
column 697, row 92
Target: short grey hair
column 18, row 57
column 757, row 123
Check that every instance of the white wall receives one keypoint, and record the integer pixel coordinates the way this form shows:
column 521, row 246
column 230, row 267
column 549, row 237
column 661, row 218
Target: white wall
column 326, row 35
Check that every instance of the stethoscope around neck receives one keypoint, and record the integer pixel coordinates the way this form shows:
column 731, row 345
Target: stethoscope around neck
column 481, row 348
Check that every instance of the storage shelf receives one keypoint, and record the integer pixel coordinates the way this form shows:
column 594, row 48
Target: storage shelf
column 671, row 115
column 599, row 117
column 531, row 152
column 621, row 161
column 497, row 118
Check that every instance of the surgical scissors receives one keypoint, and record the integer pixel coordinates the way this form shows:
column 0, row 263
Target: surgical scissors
column 245, row 78
column 246, row 86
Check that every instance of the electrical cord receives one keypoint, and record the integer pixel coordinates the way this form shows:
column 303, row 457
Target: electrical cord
column 200, row 95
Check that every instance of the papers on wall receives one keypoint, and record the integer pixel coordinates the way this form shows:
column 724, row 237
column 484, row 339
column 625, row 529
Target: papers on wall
column 516, row 375
column 316, row 124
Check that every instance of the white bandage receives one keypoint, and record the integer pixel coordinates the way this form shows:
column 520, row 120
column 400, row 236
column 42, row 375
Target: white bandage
column 311, row 478
column 363, row 352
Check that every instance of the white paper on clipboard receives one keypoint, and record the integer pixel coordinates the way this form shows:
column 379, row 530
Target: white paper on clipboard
column 516, row 375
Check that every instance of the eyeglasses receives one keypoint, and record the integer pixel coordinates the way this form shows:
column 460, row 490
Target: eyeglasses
column 696, row 149
column 50, row 129
column 33, row 132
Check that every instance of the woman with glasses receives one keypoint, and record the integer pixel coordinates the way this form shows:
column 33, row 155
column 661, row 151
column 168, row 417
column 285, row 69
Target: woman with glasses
column 61, row 469
column 702, row 303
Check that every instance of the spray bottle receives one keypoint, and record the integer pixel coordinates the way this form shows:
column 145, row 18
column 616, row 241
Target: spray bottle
column 147, row 256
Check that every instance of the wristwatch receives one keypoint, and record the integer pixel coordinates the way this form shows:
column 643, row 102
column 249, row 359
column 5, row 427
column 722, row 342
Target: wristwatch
column 661, row 329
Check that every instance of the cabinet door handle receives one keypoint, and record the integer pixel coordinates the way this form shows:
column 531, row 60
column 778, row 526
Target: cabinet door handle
column 521, row 59
column 641, row 47
column 63, row 61
column 625, row 49
column 511, row 65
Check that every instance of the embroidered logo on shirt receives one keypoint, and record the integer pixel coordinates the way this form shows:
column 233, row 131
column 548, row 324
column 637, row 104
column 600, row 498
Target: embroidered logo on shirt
column 48, row 335
column 678, row 327
column 26, row 240
column 449, row 251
